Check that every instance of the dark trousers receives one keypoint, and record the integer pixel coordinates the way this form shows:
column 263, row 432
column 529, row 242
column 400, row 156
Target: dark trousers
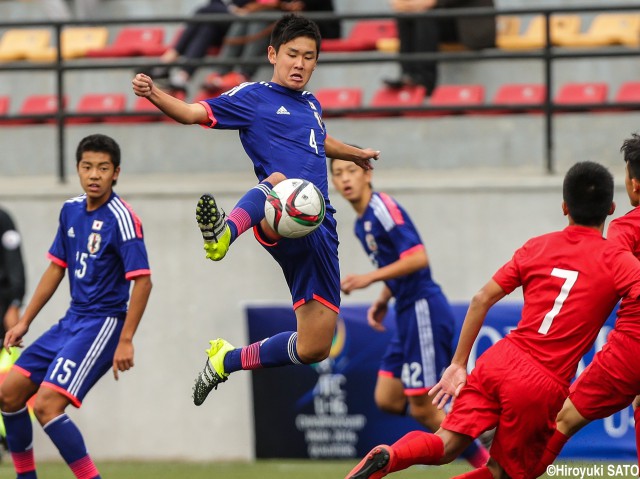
column 197, row 38
column 423, row 35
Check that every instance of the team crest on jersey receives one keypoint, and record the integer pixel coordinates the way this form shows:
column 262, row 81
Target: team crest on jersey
column 97, row 225
column 371, row 242
column 93, row 245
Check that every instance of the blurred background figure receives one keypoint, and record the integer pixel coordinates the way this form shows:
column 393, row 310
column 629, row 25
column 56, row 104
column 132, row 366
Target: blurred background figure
column 12, row 289
column 249, row 40
column 424, row 35
column 195, row 41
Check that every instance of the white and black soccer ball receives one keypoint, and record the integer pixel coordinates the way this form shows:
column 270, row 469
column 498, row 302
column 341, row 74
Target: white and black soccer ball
column 294, row 208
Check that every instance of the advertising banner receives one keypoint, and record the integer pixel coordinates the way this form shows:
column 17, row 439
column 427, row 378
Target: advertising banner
column 327, row 410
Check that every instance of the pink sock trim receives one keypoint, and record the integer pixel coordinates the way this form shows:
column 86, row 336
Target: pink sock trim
column 84, row 468
column 250, row 357
column 23, row 462
column 241, row 219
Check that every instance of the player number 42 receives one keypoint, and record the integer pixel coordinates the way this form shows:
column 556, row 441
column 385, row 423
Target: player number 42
column 570, row 278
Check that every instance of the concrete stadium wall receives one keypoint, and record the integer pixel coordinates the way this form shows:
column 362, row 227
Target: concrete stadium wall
column 471, row 224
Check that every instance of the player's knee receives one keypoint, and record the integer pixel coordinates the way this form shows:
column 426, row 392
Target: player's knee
column 275, row 178
column 10, row 401
column 390, row 407
column 313, row 355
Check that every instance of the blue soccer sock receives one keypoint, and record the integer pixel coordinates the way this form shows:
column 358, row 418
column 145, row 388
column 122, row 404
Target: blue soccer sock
column 67, row 438
column 278, row 350
column 249, row 211
column 20, row 441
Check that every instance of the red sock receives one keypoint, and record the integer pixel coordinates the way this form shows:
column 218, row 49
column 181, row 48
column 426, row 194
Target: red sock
column 636, row 416
column 480, row 473
column 553, row 448
column 416, row 447
column 480, row 458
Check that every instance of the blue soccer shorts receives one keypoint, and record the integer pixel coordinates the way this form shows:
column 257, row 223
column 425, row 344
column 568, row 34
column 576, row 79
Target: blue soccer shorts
column 72, row 355
column 310, row 264
column 421, row 347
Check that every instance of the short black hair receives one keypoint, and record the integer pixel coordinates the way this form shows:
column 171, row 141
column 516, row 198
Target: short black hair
column 588, row 193
column 631, row 155
column 292, row 26
column 102, row 144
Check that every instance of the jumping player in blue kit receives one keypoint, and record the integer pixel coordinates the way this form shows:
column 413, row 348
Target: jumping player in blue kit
column 282, row 131
column 421, row 348
column 100, row 241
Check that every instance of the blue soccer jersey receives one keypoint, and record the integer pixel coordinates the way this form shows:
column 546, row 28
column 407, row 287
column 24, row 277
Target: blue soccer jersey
column 281, row 130
column 387, row 233
column 102, row 249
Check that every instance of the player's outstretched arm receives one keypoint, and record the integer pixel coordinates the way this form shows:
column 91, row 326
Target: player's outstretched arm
column 48, row 284
column 182, row 112
column 123, row 357
column 360, row 156
column 479, row 306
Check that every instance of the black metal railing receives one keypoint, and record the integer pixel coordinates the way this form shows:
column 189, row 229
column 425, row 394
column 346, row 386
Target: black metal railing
column 547, row 55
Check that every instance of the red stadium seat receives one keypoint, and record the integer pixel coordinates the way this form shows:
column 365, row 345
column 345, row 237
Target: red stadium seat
column 144, row 107
column 455, row 95
column 579, row 93
column 4, row 108
column 337, row 98
column 529, row 94
column 398, row 97
column 628, row 92
column 100, row 103
column 133, row 41
column 39, row 105
column 363, row 36
column 4, row 105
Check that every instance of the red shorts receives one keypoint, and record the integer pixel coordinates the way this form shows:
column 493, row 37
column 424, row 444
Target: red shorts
column 611, row 381
column 509, row 391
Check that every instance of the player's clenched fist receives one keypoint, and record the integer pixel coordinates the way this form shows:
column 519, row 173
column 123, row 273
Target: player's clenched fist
column 142, row 85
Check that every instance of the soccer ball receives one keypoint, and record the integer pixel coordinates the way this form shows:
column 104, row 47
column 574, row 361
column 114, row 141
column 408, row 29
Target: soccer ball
column 294, row 208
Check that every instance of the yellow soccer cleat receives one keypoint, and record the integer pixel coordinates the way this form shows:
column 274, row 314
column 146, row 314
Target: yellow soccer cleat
column 213, row 372
column 213, row 226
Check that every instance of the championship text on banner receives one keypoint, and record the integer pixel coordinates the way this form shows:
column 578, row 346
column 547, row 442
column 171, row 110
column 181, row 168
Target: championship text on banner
column 327, row 410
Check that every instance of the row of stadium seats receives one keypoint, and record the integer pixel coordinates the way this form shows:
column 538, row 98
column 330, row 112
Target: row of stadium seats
column 530, row 97
column 513, row 33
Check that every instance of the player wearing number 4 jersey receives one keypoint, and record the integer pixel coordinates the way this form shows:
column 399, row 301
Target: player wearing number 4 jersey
column 282, row 131
column 100, row 242
column 571, row 281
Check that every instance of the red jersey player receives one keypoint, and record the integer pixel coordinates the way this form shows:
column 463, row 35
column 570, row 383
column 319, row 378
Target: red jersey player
column 612, row 380
column 571, row 281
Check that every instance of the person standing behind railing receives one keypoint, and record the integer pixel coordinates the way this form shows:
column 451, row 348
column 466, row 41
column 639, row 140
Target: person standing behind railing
column 424, row 35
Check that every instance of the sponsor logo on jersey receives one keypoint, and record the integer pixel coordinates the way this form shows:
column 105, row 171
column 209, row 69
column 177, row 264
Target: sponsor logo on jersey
column 282, row 111
column 71, row 233
column 367, row 226
column 93, row 245
column 97, row 225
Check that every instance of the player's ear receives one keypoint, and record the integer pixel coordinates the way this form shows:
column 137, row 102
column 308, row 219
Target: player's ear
column 565, row 208
column 636, row 185
column 271, row 54
column 613, row 208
